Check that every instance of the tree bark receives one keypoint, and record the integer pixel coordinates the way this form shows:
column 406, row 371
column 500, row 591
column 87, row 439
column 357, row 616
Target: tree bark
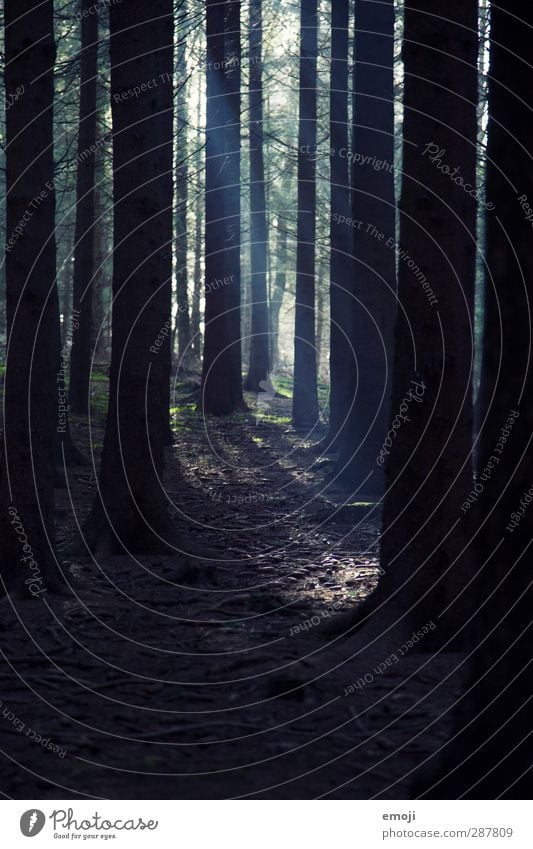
column 232, row 220
column 489, row 753
column 305, row 400
column 259, row 365
column 428, row 451
column 129, row 512
column 373, row 296
column 278, row 291
column 183, row 324
column 196, row 332
column 321, row 290
column 81, row 353
column 29, row 563
column 429, row 466
column 221, row 377
column 102, row 296
column 341, row 357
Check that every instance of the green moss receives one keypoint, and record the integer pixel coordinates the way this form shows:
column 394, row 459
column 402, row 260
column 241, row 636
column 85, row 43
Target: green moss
column 182, row 408
column 277, row 420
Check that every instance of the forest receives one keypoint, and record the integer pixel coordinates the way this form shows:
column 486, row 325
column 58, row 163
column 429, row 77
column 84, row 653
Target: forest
column 266, row 460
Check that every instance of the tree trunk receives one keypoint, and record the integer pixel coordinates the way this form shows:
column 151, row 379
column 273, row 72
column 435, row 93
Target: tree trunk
column 80, row 360
column 221, row 378
column 130, row 510
column 246, row 313
column 428, row 457
column 320, row 308
column 29, row 565
column 102, row 252
column 427, row 452
column 341, row 357
column 373, row 301
column 67, row 454
column 196, row 333
column 183, row 323
column 259, row 366
column 101, row 283
column 305, row 400
column 280, row 284
column 489, row 755
column 232, row 220
column 66, row 291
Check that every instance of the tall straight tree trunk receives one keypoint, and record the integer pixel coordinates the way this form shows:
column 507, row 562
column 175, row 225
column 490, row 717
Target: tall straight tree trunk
column 278, row 290
column 67, row 454
column 29, row 565
column 100, row 281
column 428, row 452
column 102, row 253
column 246, row 314
column 65, row 290
column 129, row 512
column 221, row 378
column 489, row 753
column 373, row 305
column 183, row 323
column 320, row 306
column 305, row 400
column 196, row 333
column 215, row 391
column 80, row 361
column 232, row 221
column 341, row 358
column 259, row 366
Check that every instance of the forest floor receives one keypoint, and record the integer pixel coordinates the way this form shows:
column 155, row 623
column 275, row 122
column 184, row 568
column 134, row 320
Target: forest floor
column 209, row 676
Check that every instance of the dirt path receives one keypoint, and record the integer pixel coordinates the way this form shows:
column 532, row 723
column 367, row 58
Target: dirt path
column 181, row 676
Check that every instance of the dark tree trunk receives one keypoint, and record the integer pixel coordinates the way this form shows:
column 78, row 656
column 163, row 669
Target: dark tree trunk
column 80, row 361
column 66, row 452
column 183, row 323
column 196, row 333
column 215, row 391
column 221, row 379
column 429, row 469
column 65, row 291
column 373, row 301
column 130, row 510
column 259, row 366
column 305, row 401
column 246, row 312
column 232, row 220
column 320, row 310
column 29, row 565
column 341, row 356
column 102, row 253
column 278, row 291
column 489, row 755
column 101, row 283
column 427, row 453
